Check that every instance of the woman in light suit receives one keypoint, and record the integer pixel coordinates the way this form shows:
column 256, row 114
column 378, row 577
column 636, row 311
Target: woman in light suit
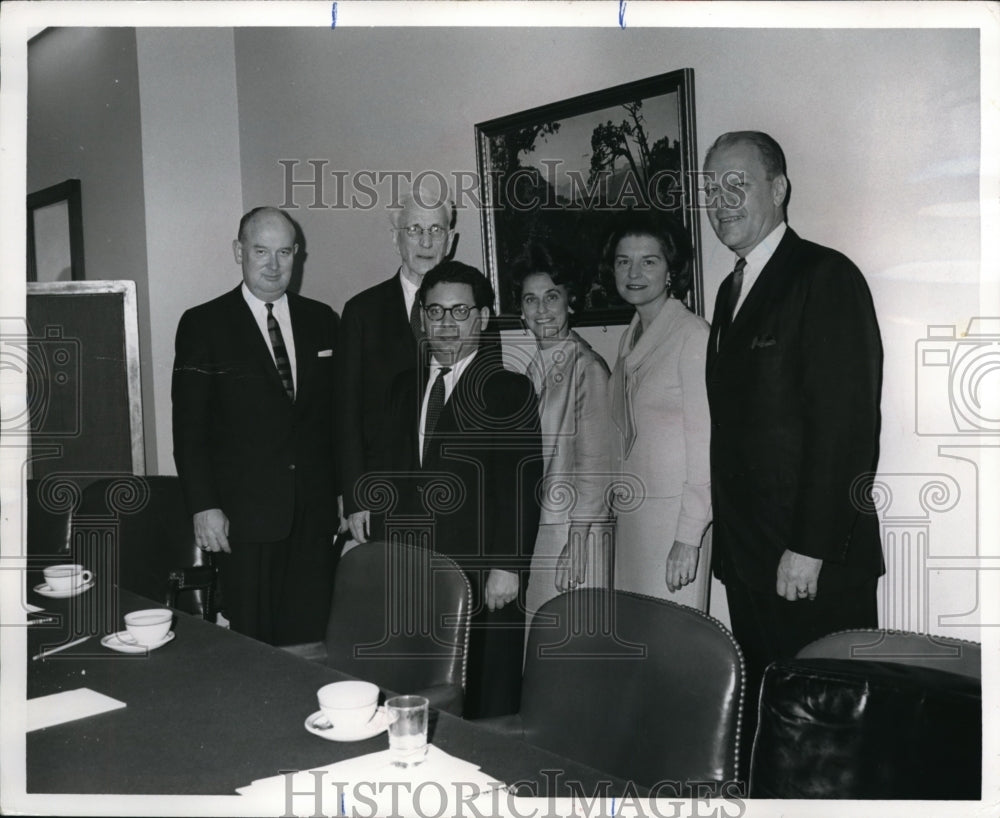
column 573, row 544
column 659, row 409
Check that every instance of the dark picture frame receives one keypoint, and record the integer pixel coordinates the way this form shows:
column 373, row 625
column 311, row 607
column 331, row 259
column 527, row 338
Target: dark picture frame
column 55, row 233
column 562, row 173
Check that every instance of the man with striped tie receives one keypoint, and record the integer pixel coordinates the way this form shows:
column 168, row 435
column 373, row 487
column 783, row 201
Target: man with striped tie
column 252, row 397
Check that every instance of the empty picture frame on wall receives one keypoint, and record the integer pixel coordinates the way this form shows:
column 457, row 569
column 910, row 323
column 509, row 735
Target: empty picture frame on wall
column 55, row 233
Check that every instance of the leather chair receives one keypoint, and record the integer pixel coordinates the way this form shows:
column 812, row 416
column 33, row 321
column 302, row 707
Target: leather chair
column 153, row 538
column 400, row 618
column 638, row 687
column 870, row 714
column 50, row 509
column 917, row 649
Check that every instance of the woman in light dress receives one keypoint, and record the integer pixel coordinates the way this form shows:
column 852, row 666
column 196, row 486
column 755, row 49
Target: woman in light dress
column 574, row 538
column 659, row 410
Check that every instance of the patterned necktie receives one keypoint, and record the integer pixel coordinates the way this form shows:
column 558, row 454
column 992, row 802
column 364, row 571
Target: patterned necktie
column 280, row 353
column 435, row 403
column 734, row 296
column 418, row 331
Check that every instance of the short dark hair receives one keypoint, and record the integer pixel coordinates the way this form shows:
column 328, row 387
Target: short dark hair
column 771, row 155
column 542, row 257
column 455, row 272
column 668, row 232
column 250, row 215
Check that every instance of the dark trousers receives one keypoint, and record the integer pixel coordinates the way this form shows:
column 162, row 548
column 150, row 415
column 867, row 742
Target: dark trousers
column 280, row 592
column 769, row 627
column 496, row 655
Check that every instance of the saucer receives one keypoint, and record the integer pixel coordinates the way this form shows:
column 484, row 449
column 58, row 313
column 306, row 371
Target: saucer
column 121, row 642
column 378, row 724
column 44, row 589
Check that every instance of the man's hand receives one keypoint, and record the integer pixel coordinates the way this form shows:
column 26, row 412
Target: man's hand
column 798, row 576
column 342, row 524
column 359, row 524
column 682, row 565
column 501, row 588
column 211, row 530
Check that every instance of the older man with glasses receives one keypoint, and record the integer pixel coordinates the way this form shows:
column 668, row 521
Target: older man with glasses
column 380, row 332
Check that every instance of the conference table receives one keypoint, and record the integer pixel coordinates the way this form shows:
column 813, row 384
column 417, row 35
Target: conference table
column 212, row 711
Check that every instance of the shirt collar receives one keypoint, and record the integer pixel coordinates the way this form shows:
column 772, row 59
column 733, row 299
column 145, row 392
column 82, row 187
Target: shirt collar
column 761, row 254
column 258, row 306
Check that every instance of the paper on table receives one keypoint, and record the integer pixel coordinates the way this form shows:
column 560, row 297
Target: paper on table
column 69, row 705
column 369, row 784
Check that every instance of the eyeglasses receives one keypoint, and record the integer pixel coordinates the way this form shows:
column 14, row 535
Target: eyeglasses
column 460, row 312
column 415, row 231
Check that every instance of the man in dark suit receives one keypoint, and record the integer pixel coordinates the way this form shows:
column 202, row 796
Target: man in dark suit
column 465, row 451
column 379, row 337
column 253, row 438
column 794, row 380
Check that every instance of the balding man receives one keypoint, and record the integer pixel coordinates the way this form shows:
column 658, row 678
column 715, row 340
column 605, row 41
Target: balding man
column 253, row 438
column 794, row 382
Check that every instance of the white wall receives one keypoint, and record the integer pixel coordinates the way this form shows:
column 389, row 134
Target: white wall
column 191, row 149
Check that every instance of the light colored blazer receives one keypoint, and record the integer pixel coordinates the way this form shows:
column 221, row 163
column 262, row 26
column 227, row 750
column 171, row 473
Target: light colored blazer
column 571, row 381
column 659, row 408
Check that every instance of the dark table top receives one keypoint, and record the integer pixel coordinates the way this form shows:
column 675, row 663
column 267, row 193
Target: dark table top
column 213, row 710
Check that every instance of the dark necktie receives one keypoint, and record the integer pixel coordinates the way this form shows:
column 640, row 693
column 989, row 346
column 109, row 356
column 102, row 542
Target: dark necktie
column 734, row 297
column 280, row 353
column 435, row 403
column 418, row 331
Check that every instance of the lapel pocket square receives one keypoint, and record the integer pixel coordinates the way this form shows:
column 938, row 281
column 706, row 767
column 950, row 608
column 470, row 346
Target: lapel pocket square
column 325, row 353
column 760, row 343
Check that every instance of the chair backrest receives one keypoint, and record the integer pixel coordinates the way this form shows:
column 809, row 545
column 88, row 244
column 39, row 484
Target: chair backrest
column 400, row 617
column 636, row 686
column 149, row 528
column 917, row 649
column 50, row 509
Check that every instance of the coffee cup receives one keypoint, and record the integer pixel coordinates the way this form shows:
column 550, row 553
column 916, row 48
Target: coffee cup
column 149, row 626
column 348, row 704
column 66, row 577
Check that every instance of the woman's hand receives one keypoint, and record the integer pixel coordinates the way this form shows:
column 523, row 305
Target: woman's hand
column 682, row 565
column 571, row 568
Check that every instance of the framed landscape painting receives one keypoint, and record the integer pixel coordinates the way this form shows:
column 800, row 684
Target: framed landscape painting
column 562, row 173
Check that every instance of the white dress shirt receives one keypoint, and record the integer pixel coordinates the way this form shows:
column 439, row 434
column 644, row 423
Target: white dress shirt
column 450, row 379
column 284, row 319
column 409, row 291
column 756, row 259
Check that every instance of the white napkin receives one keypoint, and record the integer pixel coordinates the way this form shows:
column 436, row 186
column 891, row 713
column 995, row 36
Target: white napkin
column 370, row 785
column 69, row 705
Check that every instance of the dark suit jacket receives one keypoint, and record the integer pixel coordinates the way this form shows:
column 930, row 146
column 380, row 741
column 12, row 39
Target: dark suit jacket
column 794, row 395
column 240, row 443
column 376, row 345
column 477, row 486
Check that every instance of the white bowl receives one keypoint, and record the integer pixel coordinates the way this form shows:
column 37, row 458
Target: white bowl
column 150, row 625
column 348, row 704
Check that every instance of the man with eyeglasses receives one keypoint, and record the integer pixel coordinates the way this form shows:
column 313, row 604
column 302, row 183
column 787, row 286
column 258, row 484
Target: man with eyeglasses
column 465, row 449
column 379, row 338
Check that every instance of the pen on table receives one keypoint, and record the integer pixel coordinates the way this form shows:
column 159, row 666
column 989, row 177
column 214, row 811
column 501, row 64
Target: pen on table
column 45, row 620
column 58, row 648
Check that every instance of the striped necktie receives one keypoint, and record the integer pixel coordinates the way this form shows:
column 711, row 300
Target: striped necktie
column 280, row 353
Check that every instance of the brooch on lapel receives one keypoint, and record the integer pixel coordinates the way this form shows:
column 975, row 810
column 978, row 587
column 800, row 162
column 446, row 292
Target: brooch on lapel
column 760, row 343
